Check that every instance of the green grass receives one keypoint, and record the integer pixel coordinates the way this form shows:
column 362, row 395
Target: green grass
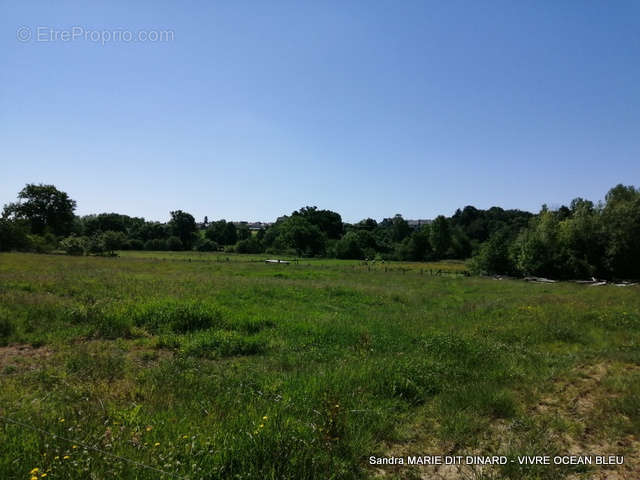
column 204, row 367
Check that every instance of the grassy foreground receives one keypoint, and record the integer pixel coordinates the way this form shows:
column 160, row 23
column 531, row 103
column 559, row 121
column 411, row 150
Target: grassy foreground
column 134, row 366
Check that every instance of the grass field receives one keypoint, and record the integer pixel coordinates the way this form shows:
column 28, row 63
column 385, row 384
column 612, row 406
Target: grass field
column 202, row 367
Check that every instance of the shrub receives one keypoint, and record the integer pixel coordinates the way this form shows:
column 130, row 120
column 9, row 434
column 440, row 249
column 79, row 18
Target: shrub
column 74, row 245
column 175, row 244
column 207, row 246
column 249, row 245
column 135, row 244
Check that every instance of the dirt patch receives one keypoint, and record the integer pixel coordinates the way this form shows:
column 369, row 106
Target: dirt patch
column 20, row 357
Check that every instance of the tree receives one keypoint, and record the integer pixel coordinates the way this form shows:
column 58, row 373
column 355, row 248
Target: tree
column 401, row 228
column 297, row 233
column 440, row 237
column 329, row 223
column 46, row 209
column 621, row 221
column 243, row 231
column 113, row 241
column 13, row 235
column 183, row 226
column 348, row 247
column 222, row 232
column 493, row 257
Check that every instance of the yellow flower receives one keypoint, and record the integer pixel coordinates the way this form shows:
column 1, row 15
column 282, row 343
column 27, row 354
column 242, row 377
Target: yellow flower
column 43, row 475
column 149, row 428
column 61, row 420
column 265, row 417
column 262, row 425
column 75, row 446
column 185, row 436
column 34, row 471
column 66, row 457
column 34, row 478
column 157, row 444
column 57, row 457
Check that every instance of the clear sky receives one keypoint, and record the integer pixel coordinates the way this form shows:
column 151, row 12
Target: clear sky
column 254, row 109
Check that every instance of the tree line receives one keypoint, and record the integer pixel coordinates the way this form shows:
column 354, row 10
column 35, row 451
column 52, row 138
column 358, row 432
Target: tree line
column 576, row 241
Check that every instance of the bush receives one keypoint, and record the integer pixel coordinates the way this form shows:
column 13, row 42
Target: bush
column 207, row 246
column 249, row 245
column 74, row 245
column 175, row 244
column 156, row 244
column 135, row 244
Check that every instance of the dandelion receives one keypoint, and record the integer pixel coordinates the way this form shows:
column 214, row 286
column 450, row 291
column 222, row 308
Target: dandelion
column 265, row 417
column 66, row 457
column 34, row 478
column 43, row 475
column 157, row 444
column 34, row 471
column 74, row 447
column 185, row 436
column 149, row 428
column 262, row 425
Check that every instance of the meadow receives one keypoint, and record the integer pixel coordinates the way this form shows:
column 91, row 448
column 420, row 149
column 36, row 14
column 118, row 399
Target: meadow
column 219, row 366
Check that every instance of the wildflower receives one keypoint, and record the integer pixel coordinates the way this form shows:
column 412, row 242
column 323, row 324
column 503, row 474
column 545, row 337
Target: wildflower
column 43, row 475
column 61, row 420
column 262, row 425
column 34, row 478
column 57, row 457
column 66, row 457
column 74, row 447
column 157, row 444
column 185, row 436
column 265, row 417
column 149, row 428
column 34, row 471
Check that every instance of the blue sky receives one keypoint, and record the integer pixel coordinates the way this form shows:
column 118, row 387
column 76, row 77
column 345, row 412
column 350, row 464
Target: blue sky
column 255, row 109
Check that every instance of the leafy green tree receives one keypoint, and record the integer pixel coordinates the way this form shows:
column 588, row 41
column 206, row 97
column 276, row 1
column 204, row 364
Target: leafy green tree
column 113, row 241
column 440, row 237
column 328, row 222
column 348, row 247
column 400, row 227
column 13, row 235
column 295, row 233
column 494, row 255
column 222, row 232
column 45, row 208
column 183, row 226
column 621, row 221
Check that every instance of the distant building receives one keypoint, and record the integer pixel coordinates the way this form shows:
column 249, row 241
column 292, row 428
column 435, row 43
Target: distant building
column 415, row 224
